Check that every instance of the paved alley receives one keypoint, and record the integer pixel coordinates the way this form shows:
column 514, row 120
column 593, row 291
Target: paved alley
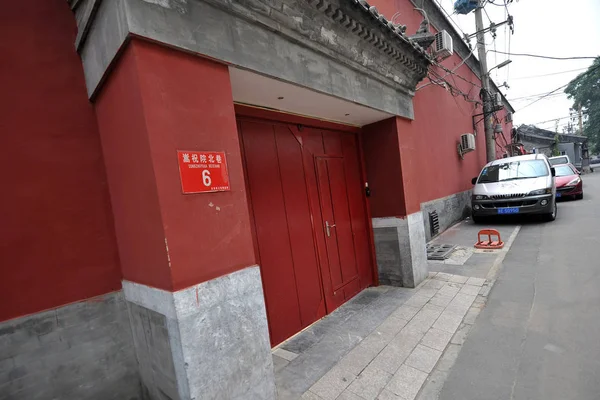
column 519, row 323
column 389, row 342
column 538, row 336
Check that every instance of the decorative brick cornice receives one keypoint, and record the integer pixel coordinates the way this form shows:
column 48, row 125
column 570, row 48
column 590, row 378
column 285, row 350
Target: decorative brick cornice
column 389, row 38
column 342, row 48
column 84, row 10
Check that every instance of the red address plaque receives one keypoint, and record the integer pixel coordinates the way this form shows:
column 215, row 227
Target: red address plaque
column 203, row 171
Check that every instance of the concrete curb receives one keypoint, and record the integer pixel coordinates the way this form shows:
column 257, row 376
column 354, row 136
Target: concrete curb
column 436, row 379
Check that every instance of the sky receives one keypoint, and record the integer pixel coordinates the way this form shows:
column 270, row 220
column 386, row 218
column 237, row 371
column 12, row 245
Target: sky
column 554, row 28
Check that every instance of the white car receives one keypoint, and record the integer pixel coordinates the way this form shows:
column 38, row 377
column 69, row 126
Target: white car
column 515, row 185
column 558, row 160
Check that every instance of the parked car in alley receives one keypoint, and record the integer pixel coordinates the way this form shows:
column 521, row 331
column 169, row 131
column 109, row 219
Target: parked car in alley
column 515, row 185
column 558, row 160
column 568, row 182
column 595, row 163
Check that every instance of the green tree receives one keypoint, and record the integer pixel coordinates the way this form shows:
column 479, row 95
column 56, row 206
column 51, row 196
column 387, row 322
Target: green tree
column 555, row 151
column 585, row 90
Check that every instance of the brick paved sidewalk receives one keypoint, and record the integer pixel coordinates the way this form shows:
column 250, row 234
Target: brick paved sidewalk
column 395, row 359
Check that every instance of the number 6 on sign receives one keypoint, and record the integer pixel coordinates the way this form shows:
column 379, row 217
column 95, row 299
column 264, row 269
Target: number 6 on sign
column 206, row 178
column 203, row 171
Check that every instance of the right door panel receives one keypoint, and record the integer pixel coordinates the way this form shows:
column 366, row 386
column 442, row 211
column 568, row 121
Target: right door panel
column 337, row 225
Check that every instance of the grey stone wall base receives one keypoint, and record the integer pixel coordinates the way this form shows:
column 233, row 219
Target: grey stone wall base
column 209, row 341
column 79, row 351
column 450, row 209
column 400, row 250
column 293, row 42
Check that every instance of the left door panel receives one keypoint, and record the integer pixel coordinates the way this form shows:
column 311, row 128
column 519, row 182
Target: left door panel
column 284, row 231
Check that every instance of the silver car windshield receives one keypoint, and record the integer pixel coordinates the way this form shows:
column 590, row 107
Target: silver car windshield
column 513, row 170
column 557, row 161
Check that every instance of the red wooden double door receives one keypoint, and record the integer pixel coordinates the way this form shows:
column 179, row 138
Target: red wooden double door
column 308, row 207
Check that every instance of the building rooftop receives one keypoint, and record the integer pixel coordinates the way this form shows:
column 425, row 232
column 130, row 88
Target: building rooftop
column 534, row 131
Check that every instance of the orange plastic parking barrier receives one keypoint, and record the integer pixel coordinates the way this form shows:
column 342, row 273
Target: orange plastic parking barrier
column 489, row 244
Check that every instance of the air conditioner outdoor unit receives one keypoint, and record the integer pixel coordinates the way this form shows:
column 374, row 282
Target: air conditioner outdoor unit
column 443, row 45
column 467, row 142
column 509, row 117
column 466, row 145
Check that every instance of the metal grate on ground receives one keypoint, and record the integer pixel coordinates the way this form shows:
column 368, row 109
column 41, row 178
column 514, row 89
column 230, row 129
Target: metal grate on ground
column 439, row 251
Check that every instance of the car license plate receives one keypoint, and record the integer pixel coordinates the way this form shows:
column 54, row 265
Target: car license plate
column 558, row 194
column 510, row 210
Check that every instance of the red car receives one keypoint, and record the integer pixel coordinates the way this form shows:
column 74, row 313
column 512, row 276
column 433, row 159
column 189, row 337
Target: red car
column 568, row 181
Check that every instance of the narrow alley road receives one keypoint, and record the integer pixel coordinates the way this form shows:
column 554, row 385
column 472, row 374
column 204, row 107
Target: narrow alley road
column 539, row 335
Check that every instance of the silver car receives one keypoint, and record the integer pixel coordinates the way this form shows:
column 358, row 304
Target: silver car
column 515, row 185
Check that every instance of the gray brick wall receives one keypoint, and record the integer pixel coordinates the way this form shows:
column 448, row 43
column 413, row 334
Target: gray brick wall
column 450, row 210
column 387, row 251
column 400, row 250
column 153, row 349
column 80, row 351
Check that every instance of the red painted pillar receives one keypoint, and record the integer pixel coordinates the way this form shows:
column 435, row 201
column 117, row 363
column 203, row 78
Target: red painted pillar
column 391, row 161
column 155, row 102
column 409, row 154
column 384, row 170
column 394, row 179
column 196, row 248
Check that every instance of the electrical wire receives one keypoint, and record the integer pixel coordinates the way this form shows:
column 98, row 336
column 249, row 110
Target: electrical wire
column 534, row 96
column 543, row 97
column 450, row 18
column 453, row 70
column 439, row 79
column 508, row 66
column 452, row 89
column 555, row 119
column 551, row 74
column 506, row 15
column 556, row 90
column 546, row 57
column 465, row 97
column 505, row 29
column 488, row 16
column 497, row 5
column 493, row 39
column 573, row 125
column 457, row 75
column 551, row 97
column 450, row 72
column 495, row 58
column 569, row 128
column 506, row 7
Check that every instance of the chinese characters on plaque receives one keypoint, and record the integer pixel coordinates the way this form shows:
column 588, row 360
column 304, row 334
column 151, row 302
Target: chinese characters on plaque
column 203, row 171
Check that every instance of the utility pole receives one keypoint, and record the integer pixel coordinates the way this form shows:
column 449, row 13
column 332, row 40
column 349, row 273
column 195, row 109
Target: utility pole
column 580, row 120
column 490, row 145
